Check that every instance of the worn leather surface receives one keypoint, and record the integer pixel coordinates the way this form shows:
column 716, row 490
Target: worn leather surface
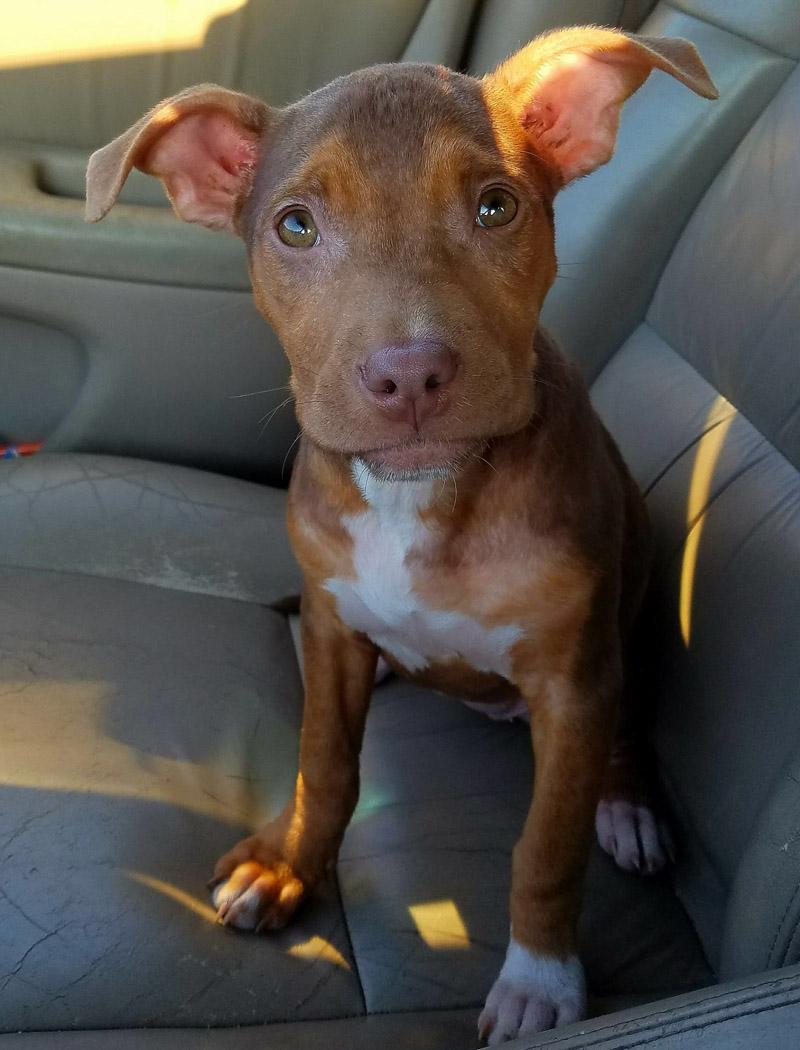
column 146, row 522
column 144, row 731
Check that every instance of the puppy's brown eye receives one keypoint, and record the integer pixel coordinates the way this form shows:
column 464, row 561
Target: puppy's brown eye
column 298, row 229
column 496, row 207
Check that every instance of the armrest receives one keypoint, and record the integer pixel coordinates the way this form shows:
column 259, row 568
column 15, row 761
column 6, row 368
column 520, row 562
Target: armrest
column 759, row 1011
column 42, row 228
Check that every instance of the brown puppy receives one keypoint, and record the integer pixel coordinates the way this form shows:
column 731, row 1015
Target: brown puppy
column 456, row 504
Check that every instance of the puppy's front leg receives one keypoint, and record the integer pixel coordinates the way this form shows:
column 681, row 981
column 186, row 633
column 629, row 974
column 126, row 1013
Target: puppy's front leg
column 541, row 983
column 261, row 881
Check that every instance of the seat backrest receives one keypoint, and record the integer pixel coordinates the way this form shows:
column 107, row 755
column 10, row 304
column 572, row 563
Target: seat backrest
column 679, row 294
column 704, row 399
column 276, row 49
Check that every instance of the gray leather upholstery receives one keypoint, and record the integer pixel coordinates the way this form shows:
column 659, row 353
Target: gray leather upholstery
column 761, row 1012
column 150, row 715
column 613, row 235
column 713, row 371
column 149, row 693
column 141, row 361
column 144, row 522
column 136, row 724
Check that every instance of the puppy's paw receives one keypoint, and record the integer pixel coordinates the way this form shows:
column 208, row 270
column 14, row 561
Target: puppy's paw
column 630, row 833
column 254, row 888
column 531, row 994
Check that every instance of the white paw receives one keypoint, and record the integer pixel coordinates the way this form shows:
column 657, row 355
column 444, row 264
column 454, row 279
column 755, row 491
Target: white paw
column 246, row 915
column 531, row 994
column 630, row 833
column 256, row 896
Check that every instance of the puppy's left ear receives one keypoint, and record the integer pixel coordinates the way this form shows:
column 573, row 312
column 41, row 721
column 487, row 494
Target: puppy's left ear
column 567, row 89
column 204, row 145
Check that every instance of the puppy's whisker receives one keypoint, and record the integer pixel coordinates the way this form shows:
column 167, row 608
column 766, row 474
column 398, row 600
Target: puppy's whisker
column 288, row 451
column 486, row 461
column 267, row 419
column 255, row 393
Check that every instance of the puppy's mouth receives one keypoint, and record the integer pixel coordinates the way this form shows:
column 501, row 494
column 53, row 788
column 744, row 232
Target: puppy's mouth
column 418, row 459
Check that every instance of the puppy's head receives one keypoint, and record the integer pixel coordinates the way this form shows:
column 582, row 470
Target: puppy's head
column 399, row 227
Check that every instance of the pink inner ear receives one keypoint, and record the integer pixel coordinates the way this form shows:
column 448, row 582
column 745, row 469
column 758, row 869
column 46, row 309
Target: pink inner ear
column 206, row 161
column 574, row 112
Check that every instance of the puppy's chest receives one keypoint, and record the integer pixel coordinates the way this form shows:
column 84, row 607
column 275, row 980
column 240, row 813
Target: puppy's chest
column 392, row 547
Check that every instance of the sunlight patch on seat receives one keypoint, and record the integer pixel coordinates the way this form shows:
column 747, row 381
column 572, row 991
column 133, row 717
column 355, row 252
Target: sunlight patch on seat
column 41, row 32
column 440, row 925
column 73, row 754
column 318, row 948
column 707, row 454
column 175, row 893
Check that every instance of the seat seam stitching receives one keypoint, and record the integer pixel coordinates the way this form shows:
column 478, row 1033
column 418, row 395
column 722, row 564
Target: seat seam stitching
column 351, row 946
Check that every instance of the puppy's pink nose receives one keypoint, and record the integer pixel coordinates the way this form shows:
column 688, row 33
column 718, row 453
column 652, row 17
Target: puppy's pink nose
column 406, row 382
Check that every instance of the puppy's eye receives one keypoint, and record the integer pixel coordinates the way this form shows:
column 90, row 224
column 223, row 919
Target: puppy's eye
column 496, row 207
column 298, row 229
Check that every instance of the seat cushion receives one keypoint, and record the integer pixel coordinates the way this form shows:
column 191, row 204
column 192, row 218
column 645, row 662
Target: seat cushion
column 144, row 731
column 148, row 720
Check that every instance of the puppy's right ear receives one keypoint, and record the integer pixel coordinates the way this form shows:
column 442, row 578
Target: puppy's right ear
column 204, row 145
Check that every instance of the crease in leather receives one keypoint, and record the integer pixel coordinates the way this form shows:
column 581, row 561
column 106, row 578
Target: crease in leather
column 716, row 495
column 688, row 447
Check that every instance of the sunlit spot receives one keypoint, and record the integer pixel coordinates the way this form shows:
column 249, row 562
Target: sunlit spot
column 36, row 32
column 186, row 900
column 318, row 948
column 440, row 925
column 314, row 948
column 72, row 754
column 707, row 454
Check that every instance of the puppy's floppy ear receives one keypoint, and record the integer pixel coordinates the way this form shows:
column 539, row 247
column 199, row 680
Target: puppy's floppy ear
column 203, row 144
column 567, row 89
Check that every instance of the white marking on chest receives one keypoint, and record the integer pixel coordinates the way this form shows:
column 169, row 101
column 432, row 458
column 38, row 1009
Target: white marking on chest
column 380, row 599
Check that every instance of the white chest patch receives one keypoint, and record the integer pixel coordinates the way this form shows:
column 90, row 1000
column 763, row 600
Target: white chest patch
column 380, row 600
